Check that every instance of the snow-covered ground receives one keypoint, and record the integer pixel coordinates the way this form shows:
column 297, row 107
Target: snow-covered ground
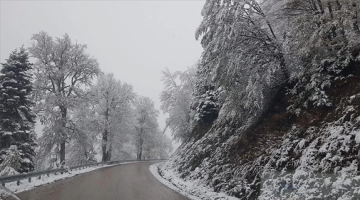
column 191, row 189
column 35, row 182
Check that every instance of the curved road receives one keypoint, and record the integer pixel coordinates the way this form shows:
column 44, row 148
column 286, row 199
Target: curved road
column 123, row 182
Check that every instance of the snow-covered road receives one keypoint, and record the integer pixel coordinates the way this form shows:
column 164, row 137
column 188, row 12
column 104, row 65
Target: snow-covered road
column 127, row 182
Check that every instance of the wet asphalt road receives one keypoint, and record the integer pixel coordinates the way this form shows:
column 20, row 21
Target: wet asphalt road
column 123, row 182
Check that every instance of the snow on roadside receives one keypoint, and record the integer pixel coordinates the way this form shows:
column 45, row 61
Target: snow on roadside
column 35, row 181
column 191, row 189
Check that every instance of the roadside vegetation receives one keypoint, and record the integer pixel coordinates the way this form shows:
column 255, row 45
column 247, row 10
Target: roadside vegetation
column 274, row 112
column 83, row 111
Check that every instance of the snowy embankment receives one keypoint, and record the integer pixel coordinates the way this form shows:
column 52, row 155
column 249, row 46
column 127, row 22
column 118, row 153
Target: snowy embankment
column 25, row 185
column 189, row 188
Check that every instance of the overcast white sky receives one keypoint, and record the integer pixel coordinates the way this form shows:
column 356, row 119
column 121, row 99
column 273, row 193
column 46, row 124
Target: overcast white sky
column 135, row 40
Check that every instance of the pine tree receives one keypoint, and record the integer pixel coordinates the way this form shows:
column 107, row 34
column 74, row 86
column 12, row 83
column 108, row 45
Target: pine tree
column 16, row 117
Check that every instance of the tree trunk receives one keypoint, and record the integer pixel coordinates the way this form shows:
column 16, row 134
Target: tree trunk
column 104, row 145
column 105, row 138
column 62, row 153
column 140, row 144
column 141, row 148
column 108, row 154
column 86, row 157
column 283, row 67
column 63, row 111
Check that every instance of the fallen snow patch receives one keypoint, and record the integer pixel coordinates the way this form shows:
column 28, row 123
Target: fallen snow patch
column 191, row 189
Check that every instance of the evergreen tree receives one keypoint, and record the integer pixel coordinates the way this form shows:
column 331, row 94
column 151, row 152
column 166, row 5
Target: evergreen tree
column 16, row 117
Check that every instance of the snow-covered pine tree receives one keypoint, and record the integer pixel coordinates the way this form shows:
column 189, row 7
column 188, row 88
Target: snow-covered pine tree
column 16, row 117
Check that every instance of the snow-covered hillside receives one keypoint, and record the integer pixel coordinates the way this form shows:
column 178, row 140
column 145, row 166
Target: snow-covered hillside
column 311, row 156
column 287, row 123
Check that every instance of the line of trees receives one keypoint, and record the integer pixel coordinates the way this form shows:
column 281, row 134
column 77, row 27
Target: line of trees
column 80, row 117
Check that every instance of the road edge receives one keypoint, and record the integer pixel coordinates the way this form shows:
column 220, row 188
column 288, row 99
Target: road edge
column 154, row 169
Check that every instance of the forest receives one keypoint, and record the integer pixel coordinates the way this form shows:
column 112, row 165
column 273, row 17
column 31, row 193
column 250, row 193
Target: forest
column 272, row 110
column 83, row 111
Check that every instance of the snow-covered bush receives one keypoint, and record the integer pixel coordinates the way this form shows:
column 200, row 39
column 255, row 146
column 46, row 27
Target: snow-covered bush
column 11, row 161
